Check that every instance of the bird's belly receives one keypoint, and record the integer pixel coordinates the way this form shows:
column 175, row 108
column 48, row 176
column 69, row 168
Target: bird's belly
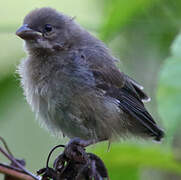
column 59, row 120
column 85, row 115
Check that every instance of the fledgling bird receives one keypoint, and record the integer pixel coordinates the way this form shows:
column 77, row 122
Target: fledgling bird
column 72, row 83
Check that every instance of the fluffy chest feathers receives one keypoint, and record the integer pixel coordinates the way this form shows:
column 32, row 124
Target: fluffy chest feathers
column 34, row 83
column 53, row 81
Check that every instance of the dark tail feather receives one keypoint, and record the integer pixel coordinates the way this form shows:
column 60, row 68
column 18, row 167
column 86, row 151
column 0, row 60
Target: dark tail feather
column 136, row 109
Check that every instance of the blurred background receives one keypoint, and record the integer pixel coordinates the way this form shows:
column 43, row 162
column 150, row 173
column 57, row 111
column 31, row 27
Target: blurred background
column 144, row 35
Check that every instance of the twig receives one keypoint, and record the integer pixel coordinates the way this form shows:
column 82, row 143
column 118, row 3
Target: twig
column 6, row 146
column 9, row 156
column 8, row 170
column 12, row 159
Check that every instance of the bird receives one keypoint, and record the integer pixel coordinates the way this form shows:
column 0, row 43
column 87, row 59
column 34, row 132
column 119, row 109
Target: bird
column 72, row 83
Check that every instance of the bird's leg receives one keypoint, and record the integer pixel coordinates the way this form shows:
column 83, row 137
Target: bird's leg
column 75, row 149
column 81, row 142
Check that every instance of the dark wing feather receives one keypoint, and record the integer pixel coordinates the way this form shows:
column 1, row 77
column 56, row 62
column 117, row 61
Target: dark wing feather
column 103, row 67
column 139, row 89
column 130, row 97
column 118, row 85
column 133, row 106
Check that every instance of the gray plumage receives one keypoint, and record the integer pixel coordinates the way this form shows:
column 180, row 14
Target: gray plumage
column 72, row 83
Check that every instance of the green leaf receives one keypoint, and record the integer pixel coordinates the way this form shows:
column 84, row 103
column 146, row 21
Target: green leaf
column 169, row 95
column 175, row 48
column 169, row 90
column 125, row 157
column 120, row 13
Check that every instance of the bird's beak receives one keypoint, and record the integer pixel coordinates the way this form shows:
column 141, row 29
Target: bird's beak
column 27, row 33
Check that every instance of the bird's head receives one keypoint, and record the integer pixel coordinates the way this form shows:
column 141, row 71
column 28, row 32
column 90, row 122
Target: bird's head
column 48, row 30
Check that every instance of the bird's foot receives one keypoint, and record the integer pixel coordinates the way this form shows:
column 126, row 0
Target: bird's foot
column 75, row 149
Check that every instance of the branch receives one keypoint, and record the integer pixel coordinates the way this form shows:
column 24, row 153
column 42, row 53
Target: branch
column 17, row 166
column 13, row 172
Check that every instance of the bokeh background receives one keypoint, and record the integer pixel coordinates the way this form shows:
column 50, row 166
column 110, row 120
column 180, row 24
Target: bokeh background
column 144, row 35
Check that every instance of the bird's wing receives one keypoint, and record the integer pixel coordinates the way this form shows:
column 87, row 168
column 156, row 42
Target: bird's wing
column 139, row 89
column 130, row 99
column 106, row 73
column 127, row 91
column 103, row 67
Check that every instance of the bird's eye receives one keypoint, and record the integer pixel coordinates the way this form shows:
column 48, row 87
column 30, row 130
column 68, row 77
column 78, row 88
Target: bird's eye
column 48, row 27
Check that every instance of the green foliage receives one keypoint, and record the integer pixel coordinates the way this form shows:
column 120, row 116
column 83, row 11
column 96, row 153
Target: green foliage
column 120, row 14
column 169, row 91
column 129, row 158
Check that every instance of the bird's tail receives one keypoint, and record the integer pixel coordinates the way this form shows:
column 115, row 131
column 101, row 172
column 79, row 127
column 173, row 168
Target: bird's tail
column 144, row 122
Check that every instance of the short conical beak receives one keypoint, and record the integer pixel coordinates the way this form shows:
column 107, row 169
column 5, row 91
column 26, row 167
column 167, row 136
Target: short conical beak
column 27, row 33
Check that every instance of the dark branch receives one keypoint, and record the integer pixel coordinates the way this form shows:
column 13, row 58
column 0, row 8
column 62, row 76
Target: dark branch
column 14, row 172
column 15, row 163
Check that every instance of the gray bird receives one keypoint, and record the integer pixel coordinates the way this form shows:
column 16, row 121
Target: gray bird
column 72, row 83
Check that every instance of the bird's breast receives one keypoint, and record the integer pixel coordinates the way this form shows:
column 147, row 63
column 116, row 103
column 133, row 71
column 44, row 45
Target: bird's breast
column 55, row 81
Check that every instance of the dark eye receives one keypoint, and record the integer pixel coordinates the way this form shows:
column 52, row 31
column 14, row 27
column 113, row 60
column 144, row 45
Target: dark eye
column 48, row 27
